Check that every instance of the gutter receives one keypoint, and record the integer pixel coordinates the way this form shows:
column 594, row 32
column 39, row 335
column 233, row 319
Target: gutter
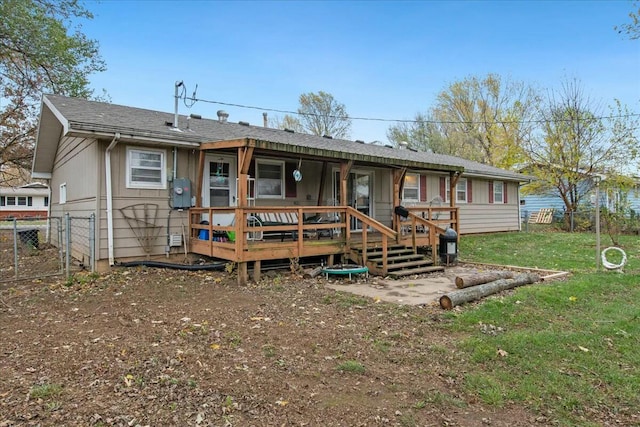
column 107, row 166
column 134, row 138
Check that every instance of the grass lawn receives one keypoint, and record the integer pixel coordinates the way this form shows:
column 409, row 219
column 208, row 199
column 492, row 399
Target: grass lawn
column 570, row 349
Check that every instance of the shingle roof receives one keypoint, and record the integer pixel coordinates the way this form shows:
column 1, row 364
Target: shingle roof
column 85, row 115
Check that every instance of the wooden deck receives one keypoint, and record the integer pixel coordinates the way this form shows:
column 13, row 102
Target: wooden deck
column 269, row 233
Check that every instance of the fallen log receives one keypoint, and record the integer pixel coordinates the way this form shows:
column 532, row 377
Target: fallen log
column 478, row 279
column 310, row 274
column 452, row 299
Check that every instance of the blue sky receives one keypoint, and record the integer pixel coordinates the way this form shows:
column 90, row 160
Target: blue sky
column 381, row 59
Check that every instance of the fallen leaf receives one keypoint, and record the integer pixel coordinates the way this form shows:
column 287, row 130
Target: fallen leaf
column 586, row 350
column 572, row 298
column 502, row 353
column 281, row 402
column 214, row 346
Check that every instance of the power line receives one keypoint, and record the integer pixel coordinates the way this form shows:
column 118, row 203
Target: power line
column 193, row 100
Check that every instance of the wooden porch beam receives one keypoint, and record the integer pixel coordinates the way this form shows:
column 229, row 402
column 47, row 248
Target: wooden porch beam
column 345, row 168
column 232, row 143
column 200, row 178
column 322, row 180
column 245, row 154
column 398, row 181
column 453, row 182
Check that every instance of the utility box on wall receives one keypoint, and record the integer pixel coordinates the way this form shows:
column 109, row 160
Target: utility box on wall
column 181, row 193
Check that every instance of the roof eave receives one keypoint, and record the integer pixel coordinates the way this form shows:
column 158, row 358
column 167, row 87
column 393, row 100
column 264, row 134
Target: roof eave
column 342, row 155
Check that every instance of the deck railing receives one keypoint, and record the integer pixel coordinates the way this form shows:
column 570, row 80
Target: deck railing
column 260, row 233
column 264, row 233
column 424, row 224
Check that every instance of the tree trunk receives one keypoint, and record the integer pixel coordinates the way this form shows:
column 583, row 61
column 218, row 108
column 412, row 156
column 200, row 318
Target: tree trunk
column 455, row 298
column 478, row 279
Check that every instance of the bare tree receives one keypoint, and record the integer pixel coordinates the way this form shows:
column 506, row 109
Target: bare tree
column 577, row 142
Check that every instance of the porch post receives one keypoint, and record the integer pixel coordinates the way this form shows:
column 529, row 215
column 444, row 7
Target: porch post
column 345, row 168
column 256, row 270
column 243, row 273
column 322, row 180
column 200, row 178
column 398, row 182
column 244, row 159
column 453, row 182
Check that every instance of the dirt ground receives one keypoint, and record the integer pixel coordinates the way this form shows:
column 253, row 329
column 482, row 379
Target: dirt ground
column 157, row 347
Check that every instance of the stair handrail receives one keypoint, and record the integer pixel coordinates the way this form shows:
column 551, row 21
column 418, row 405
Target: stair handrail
column 434, row 231
column 386, row 233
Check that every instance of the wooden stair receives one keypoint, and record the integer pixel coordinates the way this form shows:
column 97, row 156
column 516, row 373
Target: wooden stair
column 401, row 261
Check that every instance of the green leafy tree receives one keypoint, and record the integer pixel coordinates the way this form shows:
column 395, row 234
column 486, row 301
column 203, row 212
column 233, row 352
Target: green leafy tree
column 481, row 119
column 41, row 50
column 318, row 114
column 631, row 29
column 576, row 143
column 321, row 114
column 287, row 122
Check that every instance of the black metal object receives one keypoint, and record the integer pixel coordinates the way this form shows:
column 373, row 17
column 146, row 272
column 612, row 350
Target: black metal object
column 448, row 248
column 402, row 211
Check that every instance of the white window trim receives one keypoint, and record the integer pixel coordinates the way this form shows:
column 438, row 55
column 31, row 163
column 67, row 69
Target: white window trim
column 163, row 169
column 496, row 200
column 460, row 181
column 282, row 182
column 417, row 199
column 63, row 193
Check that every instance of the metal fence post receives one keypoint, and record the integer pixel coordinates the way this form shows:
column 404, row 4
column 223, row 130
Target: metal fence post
column 61, row 250
column 15, row 246
column 92, row 241
column 67, row 220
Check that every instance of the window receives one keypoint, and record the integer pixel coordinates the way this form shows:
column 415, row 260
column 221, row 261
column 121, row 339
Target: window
column 11, row 200
column 146, row 168
column 461, row 191
column 22, row 201
column 269, row 179
column 63, row 193
column 46, row 200
column 498, row 192
column 3, row 201
column 411, row 188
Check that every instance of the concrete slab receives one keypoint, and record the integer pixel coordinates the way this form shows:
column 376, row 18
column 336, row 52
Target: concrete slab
column 419, row 290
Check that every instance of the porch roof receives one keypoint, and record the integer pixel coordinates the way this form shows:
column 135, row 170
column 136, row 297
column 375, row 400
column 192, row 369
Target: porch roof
column 63, row 115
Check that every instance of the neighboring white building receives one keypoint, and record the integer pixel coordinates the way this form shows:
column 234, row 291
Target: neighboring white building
column 28, row 201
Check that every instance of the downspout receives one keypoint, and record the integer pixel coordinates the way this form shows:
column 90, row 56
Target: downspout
column 519, row 209
column 107, row 167
column 169, row 201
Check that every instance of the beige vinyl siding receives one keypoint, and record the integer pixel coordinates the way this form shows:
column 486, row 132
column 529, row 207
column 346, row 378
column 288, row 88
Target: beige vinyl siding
column 81, row 175
column 126, row 244
column 306, row 190
column 480, row 216
column 383, row 196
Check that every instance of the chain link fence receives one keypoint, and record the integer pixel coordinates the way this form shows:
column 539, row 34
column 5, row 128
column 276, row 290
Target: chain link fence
column 584, row 220
column 32, row 248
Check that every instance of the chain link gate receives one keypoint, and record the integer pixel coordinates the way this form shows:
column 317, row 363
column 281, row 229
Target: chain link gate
column 32, row 248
